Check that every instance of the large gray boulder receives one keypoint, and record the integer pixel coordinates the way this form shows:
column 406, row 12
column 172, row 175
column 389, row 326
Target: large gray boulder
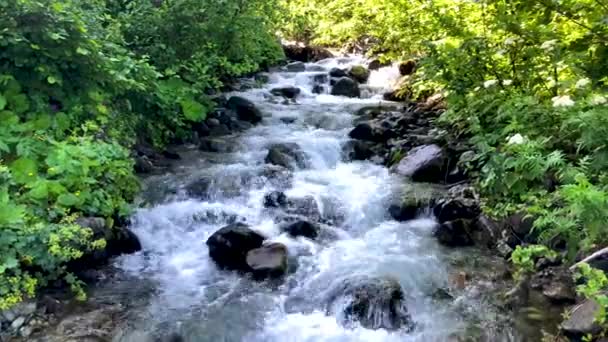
column 582, row 320
column 424, row 163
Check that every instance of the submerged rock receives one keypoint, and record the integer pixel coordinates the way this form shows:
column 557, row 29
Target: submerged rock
column 423, row 164
column 245, row 109
column 346, row 87
column 229, row 246
column 268, row 261
column 375, row 303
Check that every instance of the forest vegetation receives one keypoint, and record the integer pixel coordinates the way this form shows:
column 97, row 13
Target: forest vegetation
column 81, row 82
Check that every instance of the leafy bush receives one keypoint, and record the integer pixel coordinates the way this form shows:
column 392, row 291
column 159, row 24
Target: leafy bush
column 80, row 83
column 526, row 84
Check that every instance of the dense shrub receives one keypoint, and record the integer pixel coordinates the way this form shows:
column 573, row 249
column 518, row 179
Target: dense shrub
column 80, row 83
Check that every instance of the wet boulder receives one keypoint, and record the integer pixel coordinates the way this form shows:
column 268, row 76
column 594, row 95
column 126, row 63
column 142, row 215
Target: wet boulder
column 357, row 150
column 423, row 164
column 268, row 261
column 287, row 92
column 363, row 131
column 414, row 199
column 288, row 155
column 460, row 202
column 337, row 72
column 375, row 303
column 318, row 89
column 407, row 67
column 359, row 73
column 346, row 87
column 581, row 320
column 377, row 64
column 296, row 67
column 454, row 233
column 306, row 53
column 245, row 109
column 301, row 228
column 229, row 246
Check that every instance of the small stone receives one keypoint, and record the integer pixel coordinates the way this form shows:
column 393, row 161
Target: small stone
column 26, row 331
column 18, row 323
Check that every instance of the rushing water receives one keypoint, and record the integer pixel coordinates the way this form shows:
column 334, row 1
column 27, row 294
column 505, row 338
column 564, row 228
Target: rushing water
column 180, row 290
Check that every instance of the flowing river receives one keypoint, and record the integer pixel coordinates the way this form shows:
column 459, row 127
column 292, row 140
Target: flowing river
column 173, row 291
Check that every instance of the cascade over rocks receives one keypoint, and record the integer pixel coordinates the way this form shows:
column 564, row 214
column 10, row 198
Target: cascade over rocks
column 245, row 109
column 375, row 303
column 229, row 246
column 346, row 87
column 288, row 155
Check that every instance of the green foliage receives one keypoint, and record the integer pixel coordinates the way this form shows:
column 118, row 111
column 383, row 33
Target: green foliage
column 524, row 258
column 594, row 287
column 80, row 83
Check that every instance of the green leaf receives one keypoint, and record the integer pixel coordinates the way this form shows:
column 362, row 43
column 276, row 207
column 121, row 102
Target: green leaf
column 40, row 190
column 51, row 80
column 193, row 110
column 82, row 51
column 2, row 102
column 24, row 170
column 68, row 200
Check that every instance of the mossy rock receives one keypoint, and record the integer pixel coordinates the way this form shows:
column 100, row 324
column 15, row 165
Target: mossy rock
column 359, row 73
